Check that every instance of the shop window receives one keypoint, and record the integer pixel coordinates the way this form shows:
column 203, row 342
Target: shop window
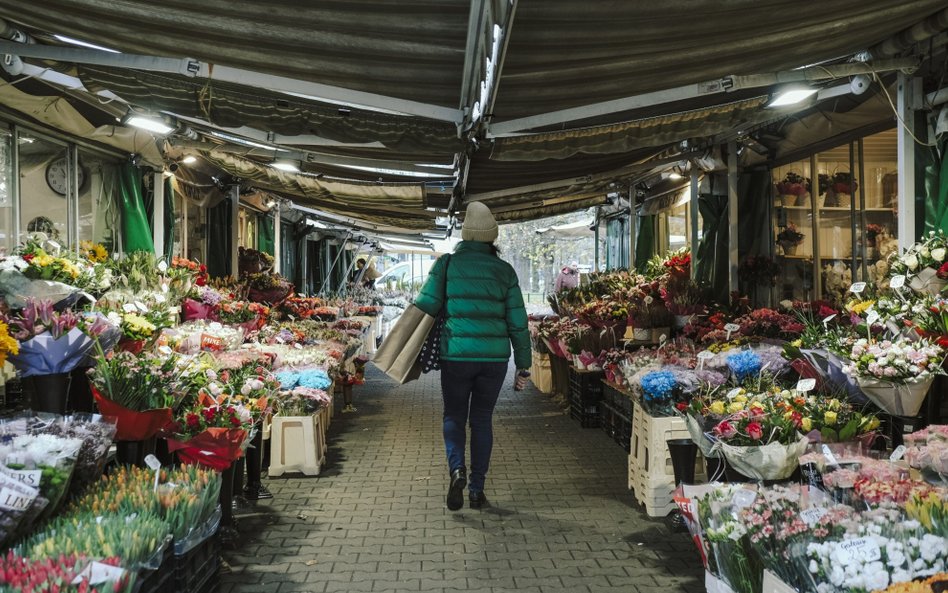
column 98, row 216
column 848, row 219
column 7, row 197
column 677, row 226
column 44, row 186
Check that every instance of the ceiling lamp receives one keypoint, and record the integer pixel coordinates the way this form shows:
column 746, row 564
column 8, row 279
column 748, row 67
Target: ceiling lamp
column 791, row 96
column 150, row 124
column 189, row 160
column 285, row 165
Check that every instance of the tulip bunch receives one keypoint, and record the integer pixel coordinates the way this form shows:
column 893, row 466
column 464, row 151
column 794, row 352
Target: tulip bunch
column 23, row 575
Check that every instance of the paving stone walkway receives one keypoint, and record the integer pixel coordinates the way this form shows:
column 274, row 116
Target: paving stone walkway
column 375, row 520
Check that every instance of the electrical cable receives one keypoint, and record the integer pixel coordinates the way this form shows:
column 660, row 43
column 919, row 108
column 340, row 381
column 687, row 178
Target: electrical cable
column 898, row 116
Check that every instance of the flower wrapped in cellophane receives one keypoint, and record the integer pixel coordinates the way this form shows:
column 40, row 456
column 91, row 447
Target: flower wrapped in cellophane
column 43, row 461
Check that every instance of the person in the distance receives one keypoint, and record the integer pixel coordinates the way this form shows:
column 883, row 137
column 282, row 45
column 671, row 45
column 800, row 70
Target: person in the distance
column 485, row 314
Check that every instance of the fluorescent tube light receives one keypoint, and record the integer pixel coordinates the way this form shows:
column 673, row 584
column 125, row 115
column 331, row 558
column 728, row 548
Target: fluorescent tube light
column 81, row 43
column 152, row 125
column 288, row 166
column 189, row 160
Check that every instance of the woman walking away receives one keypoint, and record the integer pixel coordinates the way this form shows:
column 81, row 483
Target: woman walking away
column 484, row 314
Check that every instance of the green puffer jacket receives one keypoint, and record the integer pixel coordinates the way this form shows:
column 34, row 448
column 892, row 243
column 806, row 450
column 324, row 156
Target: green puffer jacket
column 485, row 307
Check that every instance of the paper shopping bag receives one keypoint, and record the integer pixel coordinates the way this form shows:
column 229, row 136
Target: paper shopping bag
column 397, row 357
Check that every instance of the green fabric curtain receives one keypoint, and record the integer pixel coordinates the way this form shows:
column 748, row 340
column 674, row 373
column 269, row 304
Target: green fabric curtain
column 135, row 229
column 290, row 255
column 935, row 171
column 711, row 257
column 755, row 235
column 148, row 199
column 644, row 241
column 218, row 238
column 265, row 226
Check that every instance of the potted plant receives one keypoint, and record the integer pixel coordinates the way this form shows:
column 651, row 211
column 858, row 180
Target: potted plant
column 789, row 238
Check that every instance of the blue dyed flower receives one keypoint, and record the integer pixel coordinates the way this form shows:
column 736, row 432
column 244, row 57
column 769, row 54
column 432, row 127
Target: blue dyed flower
column 744, row 364
column 288, row 379
column 314, row 379
column 658, row 385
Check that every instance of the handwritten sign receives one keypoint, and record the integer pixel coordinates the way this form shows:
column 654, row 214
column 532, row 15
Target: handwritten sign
column 862, row 549
column 215, row 326
column 703, row 356
column 129, row 308
column 897, row 281
column 812, row 516
column 731, row 328
column 857, row 287
column 14, row 501
column 872, row 317
column 734, row 392
column 804, row 385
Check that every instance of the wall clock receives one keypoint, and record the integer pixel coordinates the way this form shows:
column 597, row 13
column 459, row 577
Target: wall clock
column 57, row 176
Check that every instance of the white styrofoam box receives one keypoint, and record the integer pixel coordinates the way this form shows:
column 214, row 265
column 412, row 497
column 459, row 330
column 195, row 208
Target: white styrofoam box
column 298, row 444
column 774, row 584
column 715, row 585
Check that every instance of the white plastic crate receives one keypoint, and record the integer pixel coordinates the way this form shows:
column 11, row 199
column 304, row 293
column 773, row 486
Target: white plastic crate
column 651, row 473
column 298, row 444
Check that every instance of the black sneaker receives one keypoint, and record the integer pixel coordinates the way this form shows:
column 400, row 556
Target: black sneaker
column 456, row 489
column 257, row 492
column 478, row 500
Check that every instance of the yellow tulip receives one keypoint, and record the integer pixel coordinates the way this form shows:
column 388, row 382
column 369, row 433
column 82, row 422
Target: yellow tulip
column 717, row 407
column 829, row 418
column 735, row 407
column 806, row 424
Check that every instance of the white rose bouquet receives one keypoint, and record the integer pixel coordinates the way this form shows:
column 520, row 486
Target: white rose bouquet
column 923, row 263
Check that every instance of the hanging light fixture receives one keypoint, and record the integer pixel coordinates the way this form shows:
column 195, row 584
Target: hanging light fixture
column 189, row 160
column 791, row 96
column 286, row 165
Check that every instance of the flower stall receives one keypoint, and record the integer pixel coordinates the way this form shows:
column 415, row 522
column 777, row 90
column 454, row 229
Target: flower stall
column 186, row 375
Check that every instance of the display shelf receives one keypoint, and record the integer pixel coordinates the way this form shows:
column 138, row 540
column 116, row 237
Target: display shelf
column 836, row 209
column 830, row 257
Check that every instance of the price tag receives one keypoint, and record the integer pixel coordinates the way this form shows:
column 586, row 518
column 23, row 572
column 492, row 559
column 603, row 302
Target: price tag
column 734, row 392
column 702, row 357
column 743, row 498
column 211, row 343
column 804, row 385
column 152, row 462
column 813, row 515
column 298, row 346
column 897, row 454
column 215, row 326
column 97, row 573
column 872, row 317
column 830, row 458
column 662, row 339
column 863, row 549
column 160, row 298
column 731, row 328
column 165, row 350
column 280, row 340
column 141, row 306
column 12, row 500
column 827, row 319
column 857, row 287
column 162, row 267
column 897, row 281
column 164, row 288
column 53, row 246
column 129, row 308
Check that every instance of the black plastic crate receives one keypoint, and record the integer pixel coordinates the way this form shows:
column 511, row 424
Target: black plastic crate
column 607, row 418
column 623, row 433
column 585, row 387
column 617, row 399
column 588, row 416
column 197, row 570
column 160, row 580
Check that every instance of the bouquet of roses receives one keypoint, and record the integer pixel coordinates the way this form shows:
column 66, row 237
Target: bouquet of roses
column 921, row 263
column 211, row 433
column 268, row 288
column 243, row 312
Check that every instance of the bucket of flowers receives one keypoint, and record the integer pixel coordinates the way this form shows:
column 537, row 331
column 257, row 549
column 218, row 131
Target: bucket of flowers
column 792, row 188
column 789, row 238
column 139, row 390
column 247, row 315
column 268, row 288
column 211, row 434
column 895, row 374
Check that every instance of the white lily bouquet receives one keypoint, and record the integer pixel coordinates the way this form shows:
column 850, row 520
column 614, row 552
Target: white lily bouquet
column 923, row 264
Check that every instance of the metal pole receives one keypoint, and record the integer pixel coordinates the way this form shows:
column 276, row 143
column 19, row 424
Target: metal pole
column 815, row 228
column 332, row 266
column 234, row 224
column 907, row 88
column 852, row 207
column 632, row 229
column 184, row 226
column 596, row 242
column 277, row 239
column 732, row 214
column 862, row 210
column 158, row 214
column 15, row 189
column 693, row 211
column 72, row 221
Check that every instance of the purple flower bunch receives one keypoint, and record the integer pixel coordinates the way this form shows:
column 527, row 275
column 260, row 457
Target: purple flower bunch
column 38, row 317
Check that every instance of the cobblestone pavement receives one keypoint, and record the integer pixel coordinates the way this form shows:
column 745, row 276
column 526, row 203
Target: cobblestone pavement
column 375, row 520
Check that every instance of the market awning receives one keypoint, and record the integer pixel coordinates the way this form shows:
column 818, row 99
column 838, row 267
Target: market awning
column 573, row 230
column 563, row 54
column 409, row 50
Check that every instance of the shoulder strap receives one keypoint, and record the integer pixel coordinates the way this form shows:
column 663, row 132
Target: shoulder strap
column 447, row 263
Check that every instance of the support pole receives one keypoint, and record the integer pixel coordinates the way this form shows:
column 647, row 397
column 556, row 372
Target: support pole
column 184, row 226
column 158, row 214
column 72, row 210
column 632, row 229
column 852, row 211
column 693, row 220
column 732, row 214
column 908, row 89
column 815, row 228
column 234, row 224
column 596, row 244
column 862, row 210
column 277, row 241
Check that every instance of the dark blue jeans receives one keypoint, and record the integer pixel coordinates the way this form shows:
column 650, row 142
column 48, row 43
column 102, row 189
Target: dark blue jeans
column 470, row 391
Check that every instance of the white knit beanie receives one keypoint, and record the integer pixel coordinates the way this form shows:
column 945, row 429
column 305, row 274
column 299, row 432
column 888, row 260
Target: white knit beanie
column 479, row 224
